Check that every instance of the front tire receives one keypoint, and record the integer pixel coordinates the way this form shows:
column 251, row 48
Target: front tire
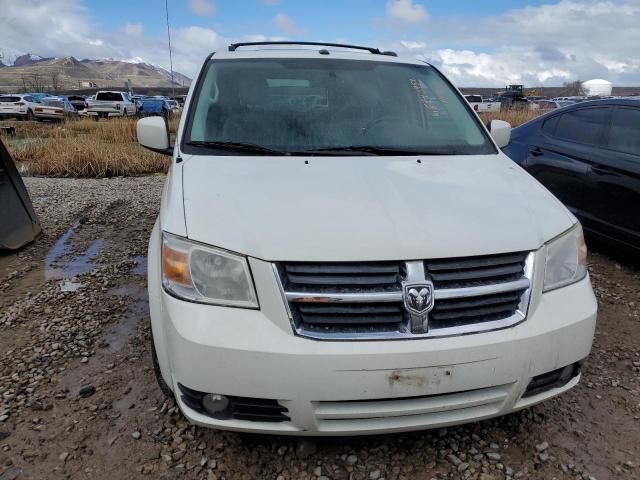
column 157, row 373
column 29, row 116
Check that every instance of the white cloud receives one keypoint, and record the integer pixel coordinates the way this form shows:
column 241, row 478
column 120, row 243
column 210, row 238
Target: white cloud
column 134, row 29
column 548, row 44
column 545, row 45
column 413, row 45
column 287, row 25
column 203, row 8
column 406, row 12
column 59, row 28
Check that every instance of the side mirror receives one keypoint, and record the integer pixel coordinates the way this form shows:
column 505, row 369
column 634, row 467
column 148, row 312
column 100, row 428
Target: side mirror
column 153, row 133
column 501, row 132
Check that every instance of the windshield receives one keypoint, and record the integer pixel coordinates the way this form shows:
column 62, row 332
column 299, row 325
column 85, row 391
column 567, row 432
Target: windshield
column 109, row 97
column 54, row 103
column 303, row 106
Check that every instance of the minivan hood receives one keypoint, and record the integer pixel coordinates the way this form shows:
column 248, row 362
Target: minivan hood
column 367, row 208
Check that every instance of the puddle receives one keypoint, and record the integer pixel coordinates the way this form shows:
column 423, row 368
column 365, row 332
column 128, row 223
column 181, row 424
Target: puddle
column 61, row 263
column 140, row 267
column 125, row 329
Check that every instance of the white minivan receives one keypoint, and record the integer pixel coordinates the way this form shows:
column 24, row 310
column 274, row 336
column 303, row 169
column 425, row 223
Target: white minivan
column 342, row 249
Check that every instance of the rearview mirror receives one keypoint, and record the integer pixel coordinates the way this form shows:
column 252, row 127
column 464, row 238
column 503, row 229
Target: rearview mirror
column 501, row 132
column 153, row 133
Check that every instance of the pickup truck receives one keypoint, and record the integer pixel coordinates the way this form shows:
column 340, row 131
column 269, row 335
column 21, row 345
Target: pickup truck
column 480, row 106
column 111, row 104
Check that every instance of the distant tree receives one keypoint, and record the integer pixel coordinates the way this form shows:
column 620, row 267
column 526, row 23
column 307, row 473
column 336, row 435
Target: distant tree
column 573, row 89
column 55, row 81
column 36, row 82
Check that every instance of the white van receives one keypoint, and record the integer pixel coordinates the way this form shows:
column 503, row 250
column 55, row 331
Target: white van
column 342, row 249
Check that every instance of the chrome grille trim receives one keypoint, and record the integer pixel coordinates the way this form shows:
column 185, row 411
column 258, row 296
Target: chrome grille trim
column 445, row 293
column 413, row 269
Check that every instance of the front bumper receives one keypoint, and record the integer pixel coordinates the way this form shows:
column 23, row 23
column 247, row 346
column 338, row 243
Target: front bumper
column 363, row 387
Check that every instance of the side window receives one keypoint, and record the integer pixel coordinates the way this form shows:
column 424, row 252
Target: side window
column 549, row 126
column 624, row 133
column 28, row 99
column 582, row 126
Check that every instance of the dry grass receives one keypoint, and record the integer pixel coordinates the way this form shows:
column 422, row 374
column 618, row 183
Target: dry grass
column 514, row 117
column 84, row 148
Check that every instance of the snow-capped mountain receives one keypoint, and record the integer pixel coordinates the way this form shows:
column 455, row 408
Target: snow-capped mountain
column 17, row 67
column 10, row 57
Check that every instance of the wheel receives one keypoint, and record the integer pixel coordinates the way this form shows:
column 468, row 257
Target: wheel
column 29, row 115
column 156, row 371
column 124, row 112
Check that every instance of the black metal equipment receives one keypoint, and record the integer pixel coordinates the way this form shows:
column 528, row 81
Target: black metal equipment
column 513, row 98
column 375, row 51
column 18, row 222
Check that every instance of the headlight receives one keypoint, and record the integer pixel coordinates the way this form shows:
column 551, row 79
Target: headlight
column 199, row 273
column 566, row 260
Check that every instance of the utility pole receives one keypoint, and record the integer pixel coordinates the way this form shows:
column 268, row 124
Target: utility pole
column 166, row 8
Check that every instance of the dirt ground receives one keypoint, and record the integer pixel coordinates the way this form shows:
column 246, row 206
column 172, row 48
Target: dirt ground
column 78, row 398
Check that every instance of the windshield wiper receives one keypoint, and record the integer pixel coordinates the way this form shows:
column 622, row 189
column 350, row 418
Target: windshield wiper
column 378, row 150
column 237, row 146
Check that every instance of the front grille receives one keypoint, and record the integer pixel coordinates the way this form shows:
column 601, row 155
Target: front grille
column 342, row 277
column 351, row 316
column 470, row 310
column 474, row 271
column 362, row 300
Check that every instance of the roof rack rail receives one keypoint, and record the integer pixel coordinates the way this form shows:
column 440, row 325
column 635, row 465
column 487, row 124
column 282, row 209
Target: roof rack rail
column 375, row 51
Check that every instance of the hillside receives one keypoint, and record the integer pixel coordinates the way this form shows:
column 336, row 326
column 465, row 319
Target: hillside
column 12, row 57
column 29, row 72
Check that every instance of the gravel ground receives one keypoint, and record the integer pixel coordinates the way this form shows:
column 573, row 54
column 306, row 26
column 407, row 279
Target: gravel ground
column 78, row 397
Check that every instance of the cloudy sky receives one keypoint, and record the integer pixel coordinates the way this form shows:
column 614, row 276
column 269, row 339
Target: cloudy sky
column 475, row 43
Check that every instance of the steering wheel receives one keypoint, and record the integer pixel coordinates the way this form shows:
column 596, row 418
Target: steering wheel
column 380, row 121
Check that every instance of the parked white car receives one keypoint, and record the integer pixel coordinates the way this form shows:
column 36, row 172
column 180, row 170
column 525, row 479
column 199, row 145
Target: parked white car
column 55, row 109
column 18, row 106
column 482, row 106
column 111, row 104
column 342, row 249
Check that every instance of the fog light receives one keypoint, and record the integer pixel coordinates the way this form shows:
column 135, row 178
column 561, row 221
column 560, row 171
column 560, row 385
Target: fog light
column 216, row 405
column 567, row 374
